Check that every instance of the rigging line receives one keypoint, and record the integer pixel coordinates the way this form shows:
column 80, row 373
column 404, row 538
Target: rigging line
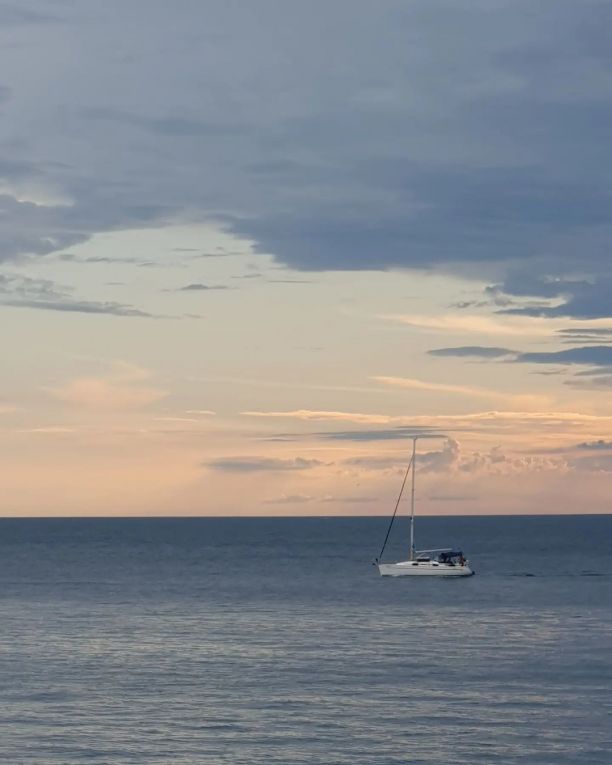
column 395, row 511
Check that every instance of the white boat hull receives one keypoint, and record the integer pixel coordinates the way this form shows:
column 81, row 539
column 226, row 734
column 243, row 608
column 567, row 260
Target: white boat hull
column 423, row 568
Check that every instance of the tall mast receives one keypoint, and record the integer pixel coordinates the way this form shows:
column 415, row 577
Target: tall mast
column 414, row 440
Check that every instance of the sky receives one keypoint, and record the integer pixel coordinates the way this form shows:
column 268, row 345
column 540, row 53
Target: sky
column 248, row 249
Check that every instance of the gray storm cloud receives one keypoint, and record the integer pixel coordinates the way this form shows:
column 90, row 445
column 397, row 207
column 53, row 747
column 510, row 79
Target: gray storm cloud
column 465, row 136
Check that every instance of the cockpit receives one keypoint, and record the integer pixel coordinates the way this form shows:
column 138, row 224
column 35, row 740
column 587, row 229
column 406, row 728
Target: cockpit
column 447, row 557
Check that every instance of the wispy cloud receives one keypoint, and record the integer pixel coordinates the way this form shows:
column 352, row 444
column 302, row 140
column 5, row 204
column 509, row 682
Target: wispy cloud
column 599, row 445
column 291, row 499
column 198, row 287
column 412, row 383
column 120, row 390
column 513, row 400
column 44, row 295
column 309, row 414
column 433, row 421
column 382, row 462
column 261, row 464
column 191, row 415
column 398, row 433
column 583, row 334
column 593, row 463
column 169, row 126
column 107, row 260
column 302, row 499
column 15, row 15
column 573, row 298
column 472, row 324
column 79, row 306
column 538, row 426
column 595, row 383
column 473, row 351
column 51, row 430
column 453, row 498
column 176, row 419
column 596, row 355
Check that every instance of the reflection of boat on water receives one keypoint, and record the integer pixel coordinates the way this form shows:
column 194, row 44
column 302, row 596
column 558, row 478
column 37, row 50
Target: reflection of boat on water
column 441, row 562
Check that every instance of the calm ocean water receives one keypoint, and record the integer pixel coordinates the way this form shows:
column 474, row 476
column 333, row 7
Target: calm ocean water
column 252, row 641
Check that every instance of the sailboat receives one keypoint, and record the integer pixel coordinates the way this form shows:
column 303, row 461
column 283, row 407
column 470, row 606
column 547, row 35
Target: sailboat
column 445, row 561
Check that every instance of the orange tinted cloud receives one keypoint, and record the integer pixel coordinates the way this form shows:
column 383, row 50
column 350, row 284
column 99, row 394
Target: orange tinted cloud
column 120, row 390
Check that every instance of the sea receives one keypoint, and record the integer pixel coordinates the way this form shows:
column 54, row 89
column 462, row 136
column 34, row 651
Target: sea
column 248, row 641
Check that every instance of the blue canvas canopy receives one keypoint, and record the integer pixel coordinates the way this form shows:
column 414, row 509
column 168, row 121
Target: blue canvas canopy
column 448, row 551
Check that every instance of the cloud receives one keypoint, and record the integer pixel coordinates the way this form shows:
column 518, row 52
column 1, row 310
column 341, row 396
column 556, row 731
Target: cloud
column 597, row 334
column 440, row 138
column 441, row 460
column 120, row 390
column 354, row 500
column 453, row 498
column 599, row 463
column 193, row 253
column 106, row 259
column 595, row 355
column 291, row 499
column 475, row 324
column 495, row 421
column 16, row 15
column 414, row 384
column 601, row 382
column 167, row 126
column 51, row 430
column 575, row 298
column 398, row 433
column 301, row 499
column 455, row 461
column 599, row 445
column 378, row 462
column 261, row 464
column 175, row 419
column 12, row 285
column 586, row 355
column 593, row 378
column 291, row 281
column 594, row 372
column 44, row 295
column 30, row 228
column 308, row 414
column 197, row 287
column 473, row 351
column 79, row 306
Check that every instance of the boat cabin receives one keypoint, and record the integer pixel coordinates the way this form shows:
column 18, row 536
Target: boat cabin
column 447, row 557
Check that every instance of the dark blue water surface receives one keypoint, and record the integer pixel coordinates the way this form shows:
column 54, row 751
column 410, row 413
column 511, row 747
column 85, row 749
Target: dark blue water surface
column 254, row 641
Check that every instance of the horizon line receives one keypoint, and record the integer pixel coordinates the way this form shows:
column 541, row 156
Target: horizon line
column 290, row 517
